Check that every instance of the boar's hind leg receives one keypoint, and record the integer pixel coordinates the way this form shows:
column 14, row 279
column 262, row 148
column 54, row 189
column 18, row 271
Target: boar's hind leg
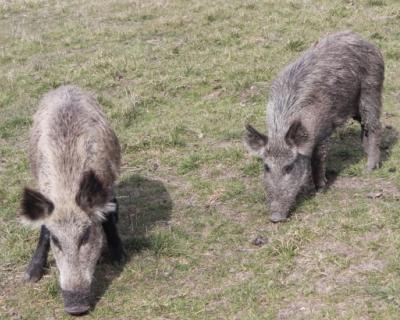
column 113, row 240
column 370, row 106
column 318, row 164
column 36, row 266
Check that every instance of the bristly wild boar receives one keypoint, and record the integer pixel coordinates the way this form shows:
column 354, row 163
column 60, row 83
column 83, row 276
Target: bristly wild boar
column 75, row 159
column 338, row 78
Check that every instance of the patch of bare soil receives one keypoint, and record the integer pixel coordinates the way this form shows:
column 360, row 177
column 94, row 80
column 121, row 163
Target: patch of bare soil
column 301, row 309
column 331, row 265
column 257, row 89
column 10, row 285
column 308, row 308
column 215, row 94
column 375, row 188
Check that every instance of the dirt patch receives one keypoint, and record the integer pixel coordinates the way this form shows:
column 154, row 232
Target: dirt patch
column 355, row 275
column 301, row 309
column 331, row 265
column 229, row 213
column 387, row 188
column 308, row 308
column 226, row 144
column 215, row 94
column 257, row 89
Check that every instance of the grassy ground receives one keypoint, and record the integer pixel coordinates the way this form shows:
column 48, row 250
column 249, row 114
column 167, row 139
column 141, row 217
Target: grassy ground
column 178, row 80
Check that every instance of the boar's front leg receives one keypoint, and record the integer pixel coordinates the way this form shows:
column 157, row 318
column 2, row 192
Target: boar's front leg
column 318, row 164
column 114, row 242
column 36, row 266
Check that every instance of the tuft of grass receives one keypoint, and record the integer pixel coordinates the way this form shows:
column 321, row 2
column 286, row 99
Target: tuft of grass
column 189, row 164
column 295, row 45
column 393, row 54
column 163, row 243
column 376, row 3
column 252, row 169
column 53, row 288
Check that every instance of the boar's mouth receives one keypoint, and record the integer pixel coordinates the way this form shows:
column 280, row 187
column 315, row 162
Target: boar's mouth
column 282, row 210
column 76, row 302
column 279, row 211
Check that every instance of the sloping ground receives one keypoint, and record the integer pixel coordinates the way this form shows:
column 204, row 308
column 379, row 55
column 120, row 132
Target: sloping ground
column 178, row 81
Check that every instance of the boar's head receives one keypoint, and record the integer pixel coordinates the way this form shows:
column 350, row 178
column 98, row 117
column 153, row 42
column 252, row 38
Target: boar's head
column 287, row 167
column 76, row 235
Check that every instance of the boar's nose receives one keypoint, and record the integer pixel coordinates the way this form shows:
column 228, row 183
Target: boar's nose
column 77, row 310
column 76, row 302
column 278, row 213
column 277, row 217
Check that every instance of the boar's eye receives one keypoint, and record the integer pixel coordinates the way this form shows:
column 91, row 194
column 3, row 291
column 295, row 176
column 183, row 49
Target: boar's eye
column 85, row 237
column 266, row 168
column 288, row 169
column 56, row 242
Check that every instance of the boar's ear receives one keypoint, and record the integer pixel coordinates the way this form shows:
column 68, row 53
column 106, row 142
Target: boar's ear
column 35, row 206
column 255, row 141
column 91, row 192
column 297, row 134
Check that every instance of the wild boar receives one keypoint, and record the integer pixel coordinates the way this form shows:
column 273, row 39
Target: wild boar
column 338, row 78
column 75, row 158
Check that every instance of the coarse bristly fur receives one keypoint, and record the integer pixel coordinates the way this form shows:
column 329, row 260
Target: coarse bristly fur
column 75, row 159
column 339, row 77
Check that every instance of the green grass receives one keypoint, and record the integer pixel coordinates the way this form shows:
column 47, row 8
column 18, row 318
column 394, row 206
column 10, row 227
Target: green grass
column 178, row 81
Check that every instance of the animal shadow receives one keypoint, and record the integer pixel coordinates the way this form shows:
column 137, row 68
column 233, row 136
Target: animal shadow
column 346, row 150
column 143, row 203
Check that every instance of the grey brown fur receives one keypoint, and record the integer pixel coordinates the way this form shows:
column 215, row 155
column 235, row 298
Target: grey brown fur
column 75, row 160
column 338, row 78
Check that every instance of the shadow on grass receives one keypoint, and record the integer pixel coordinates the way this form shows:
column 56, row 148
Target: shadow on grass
column 390, row 137
column 143, row 204
column 346, row 150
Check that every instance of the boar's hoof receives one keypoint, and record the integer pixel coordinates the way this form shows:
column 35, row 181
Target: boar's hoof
column 372, row 167
column 118, row 257
column 322, row 185
column 321, row 189
column 277, row 217
column 33, row 274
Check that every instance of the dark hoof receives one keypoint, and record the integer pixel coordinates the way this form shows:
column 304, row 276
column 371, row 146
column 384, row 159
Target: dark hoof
column 33, row 275
column 370, row 169
column 277, row 217
column 77, row 310
column 322, row 188
column 372, row 166
column 321, row 184
column 119, row 257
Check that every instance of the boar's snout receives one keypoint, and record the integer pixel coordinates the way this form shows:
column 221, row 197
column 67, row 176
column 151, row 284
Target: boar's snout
column 278, row 213
column 278, row 217
column 76, row 302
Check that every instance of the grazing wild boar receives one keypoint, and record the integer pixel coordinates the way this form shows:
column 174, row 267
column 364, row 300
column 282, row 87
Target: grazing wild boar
column 338, row 78
column 75, row 158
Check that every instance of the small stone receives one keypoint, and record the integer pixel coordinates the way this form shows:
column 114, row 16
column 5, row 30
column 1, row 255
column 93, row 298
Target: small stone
column 374, row 195
column 259, row 241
